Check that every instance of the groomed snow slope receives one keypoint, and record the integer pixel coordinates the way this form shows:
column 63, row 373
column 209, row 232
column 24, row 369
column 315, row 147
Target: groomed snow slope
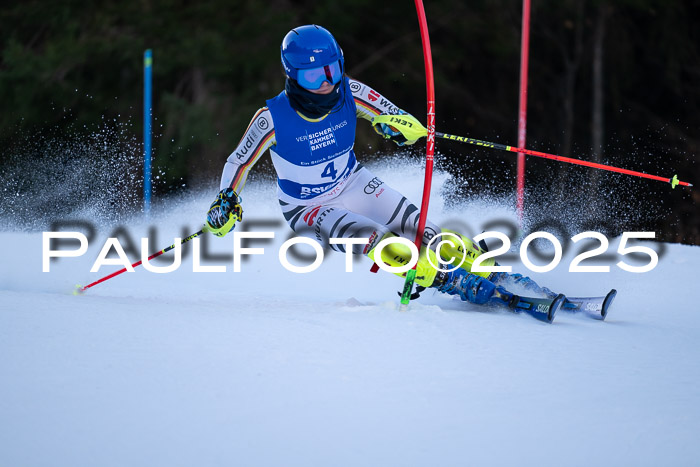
column 268, row 368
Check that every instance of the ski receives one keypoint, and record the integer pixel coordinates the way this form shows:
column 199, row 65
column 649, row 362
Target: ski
column 593, row 307
column 543, row 309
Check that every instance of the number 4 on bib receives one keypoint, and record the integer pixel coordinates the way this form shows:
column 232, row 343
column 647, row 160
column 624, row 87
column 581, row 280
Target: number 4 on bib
column 330, row 171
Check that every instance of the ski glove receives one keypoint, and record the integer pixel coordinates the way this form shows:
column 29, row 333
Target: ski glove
column 224, row 212
column 400, row 133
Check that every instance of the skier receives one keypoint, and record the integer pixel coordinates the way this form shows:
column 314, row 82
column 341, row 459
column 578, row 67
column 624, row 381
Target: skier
column 323, row 191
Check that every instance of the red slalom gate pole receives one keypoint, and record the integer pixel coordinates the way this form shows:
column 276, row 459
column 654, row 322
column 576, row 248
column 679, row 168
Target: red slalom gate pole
column 80, row 289
column 522, row 108
column 487, row 144
column 430, row 148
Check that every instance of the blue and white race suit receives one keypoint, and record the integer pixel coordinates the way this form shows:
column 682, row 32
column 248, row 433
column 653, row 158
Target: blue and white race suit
column 323, row 191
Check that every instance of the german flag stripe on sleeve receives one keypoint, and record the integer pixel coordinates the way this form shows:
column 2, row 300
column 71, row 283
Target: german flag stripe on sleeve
column 257, row 114
column 243, row 169
column 366, row 106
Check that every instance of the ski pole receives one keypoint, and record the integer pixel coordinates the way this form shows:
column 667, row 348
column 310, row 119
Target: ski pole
column 673, row 181
column 412, row 129
column 80, row 289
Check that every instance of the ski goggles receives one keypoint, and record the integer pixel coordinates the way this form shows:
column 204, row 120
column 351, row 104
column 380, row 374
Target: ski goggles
column 313, row 78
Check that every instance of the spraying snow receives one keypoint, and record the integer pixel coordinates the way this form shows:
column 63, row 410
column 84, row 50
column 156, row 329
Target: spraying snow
column 266, row 367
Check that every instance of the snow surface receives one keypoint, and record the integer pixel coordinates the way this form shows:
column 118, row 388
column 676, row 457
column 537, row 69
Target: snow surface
column 268, row 368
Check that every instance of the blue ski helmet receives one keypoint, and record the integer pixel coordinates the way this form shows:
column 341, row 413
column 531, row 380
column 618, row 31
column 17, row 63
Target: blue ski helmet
column 311, row 55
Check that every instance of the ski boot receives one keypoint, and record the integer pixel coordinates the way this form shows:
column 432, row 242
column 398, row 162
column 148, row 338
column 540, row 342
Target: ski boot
column 451, row 248
column 472, row 288
column 469, row 287
column 481, row 291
